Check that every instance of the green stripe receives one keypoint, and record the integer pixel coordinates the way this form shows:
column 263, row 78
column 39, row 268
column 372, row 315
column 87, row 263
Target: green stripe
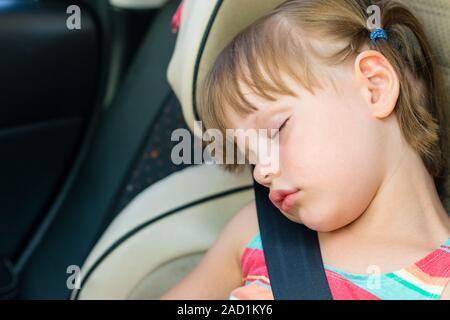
column 258, row 282
column 411, row 286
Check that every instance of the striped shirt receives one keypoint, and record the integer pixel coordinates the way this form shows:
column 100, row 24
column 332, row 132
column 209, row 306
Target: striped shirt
column 423, row 280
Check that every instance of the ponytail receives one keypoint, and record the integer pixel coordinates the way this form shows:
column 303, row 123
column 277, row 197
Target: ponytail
column 420, row 109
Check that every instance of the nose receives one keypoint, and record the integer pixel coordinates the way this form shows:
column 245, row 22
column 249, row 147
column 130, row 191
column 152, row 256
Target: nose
column 264, row 174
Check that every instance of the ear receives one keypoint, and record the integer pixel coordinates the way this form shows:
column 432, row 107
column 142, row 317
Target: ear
column 379, row 82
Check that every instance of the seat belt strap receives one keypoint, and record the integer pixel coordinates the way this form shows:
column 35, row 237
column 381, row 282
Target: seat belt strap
column 292, row 254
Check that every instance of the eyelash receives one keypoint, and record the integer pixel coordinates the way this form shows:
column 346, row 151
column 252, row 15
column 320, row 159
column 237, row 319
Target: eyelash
column 282, row 127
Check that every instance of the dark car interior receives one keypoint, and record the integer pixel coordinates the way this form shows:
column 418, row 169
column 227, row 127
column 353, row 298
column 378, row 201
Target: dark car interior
column 69, row 160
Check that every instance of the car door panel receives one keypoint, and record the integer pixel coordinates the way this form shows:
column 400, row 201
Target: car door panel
column 48, row 85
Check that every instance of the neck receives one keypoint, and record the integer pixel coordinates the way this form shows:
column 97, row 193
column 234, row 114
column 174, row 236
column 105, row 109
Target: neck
column 406, row 208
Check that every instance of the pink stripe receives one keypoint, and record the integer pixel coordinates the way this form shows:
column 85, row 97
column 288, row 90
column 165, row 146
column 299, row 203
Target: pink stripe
column 253, row 263
column 436, row 264
column 342, row 289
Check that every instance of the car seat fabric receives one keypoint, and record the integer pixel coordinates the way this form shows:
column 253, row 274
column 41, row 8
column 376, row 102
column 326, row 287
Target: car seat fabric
column 178, row 216
column 154, row 162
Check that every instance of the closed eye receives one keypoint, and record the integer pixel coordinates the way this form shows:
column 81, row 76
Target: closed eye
column 284, row 124
column 281, row 128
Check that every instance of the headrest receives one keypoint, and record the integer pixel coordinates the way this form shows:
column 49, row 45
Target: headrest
column 208, row 26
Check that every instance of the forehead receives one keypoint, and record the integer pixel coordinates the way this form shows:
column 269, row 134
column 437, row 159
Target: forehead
column 251, row 119
column 264, row 108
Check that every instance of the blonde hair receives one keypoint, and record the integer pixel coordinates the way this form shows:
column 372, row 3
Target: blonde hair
column 280, row 43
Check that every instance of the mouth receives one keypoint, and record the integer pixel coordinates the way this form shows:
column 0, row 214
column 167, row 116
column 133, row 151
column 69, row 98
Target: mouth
column 284, row 199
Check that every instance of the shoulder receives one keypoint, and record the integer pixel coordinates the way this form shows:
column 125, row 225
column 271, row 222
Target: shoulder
column 245, row 218
column 243, row 227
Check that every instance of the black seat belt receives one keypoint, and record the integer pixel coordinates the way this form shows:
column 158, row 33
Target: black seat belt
column 292, row 254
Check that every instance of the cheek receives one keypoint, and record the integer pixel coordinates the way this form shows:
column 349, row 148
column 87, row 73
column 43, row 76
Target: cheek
column 334, row 155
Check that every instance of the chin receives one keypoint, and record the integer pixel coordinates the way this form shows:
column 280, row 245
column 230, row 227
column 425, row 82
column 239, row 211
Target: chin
column 320, row 222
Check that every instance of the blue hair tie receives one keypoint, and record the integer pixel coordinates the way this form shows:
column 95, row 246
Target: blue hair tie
column 378, row 33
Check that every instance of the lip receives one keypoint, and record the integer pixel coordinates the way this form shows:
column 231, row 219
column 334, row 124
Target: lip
column 284, row 199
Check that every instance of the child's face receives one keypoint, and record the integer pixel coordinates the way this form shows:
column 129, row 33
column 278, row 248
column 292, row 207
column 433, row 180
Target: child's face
column 332, row 149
